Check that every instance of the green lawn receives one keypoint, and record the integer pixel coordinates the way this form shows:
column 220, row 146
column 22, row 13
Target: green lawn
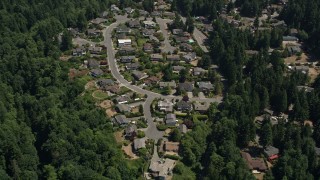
column 100, row 95
column 140, row 42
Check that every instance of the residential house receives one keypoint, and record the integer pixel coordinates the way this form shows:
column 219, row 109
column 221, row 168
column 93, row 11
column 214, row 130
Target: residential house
column 81, row 51
column 126, row 50
column 121, row 36
column 134, row 24
column 148, row 32
column 123, row 29
column 183, row 128
column 177, row 69
column 189, row 57
column 128, row 10
column 173, row 57
column 104, row 14
column 124, row 42
column 186, row 86
column 171, row 146
column 271, row 152
column 302, row 69
column 138, row 75
column 251, row 52
column 156, row 57
column 127, row 59
column 143, row 13
column 132, row 66
column 279, row 24
column 114, row 8
column 305, row 89
column 293, row 32
column 122, row 99
column 180, row 39
column 139, row 143
column 293, row 49
column 115, row 89
column 165, row 105
column 148, row 48
column 155, row 13
column 208, row 27
column 184, row 106
column 186, row 47
column 171, row 84
column 121, row 120
column 123, row 108
column 93, row 32
column 151, row 80
column 198, row 71
column 290, row 38
column 168, row 14
column 95, row 49
column 171, row 119
column 254, row 164
column 162, row 169
column 98, row 21
column 91, row 63
column 149, row 24
column 130, row 131
column 205, row 87
column 96, row 72
column 201, row 107
column 105, row 82
column 177, row 32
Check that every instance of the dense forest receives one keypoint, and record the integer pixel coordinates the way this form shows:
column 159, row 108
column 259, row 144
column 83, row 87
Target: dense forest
column 47, row 130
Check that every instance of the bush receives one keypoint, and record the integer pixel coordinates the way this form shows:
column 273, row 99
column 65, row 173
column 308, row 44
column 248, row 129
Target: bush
column 140, row 134
column 173, row 157
column 162, row 127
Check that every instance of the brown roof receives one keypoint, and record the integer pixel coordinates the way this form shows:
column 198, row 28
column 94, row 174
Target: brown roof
column 171, row 146
column 254, row 164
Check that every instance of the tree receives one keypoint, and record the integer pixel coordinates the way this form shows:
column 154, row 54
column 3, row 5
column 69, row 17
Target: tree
column 175, row 135
column 66, row 43
column 266, row 133
column 183, row 75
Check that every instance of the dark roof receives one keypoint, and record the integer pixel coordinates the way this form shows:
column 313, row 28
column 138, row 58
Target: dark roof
column 121, row 119
column 187, row 86
column 183, row 105
column 205, row 85
column 254, row 164
column 270, row 150
column 93, row 63
column 105, row 82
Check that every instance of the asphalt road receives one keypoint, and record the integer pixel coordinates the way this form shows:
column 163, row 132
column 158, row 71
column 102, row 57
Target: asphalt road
column 152, row 131
column 164, row 29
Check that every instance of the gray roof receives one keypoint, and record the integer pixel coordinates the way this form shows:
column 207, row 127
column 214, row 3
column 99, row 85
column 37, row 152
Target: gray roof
column 290, row 38
column 123, row 107
column 105, row 82
column 171, row 116
column 187, row 86
column 96, row 72
column 183, row 105
column 165, row 84
column 270, row 150
column 139, row 75
column 133, row 66
column 130, row 129
column 139, row 143
column 121, row 119
column 317, row 151
column 93, row 63
column 178, row 68
column 174, row 57
column 183, row 128
column 205, row 85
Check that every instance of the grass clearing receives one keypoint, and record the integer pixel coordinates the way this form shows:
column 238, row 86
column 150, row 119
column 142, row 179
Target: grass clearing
column 98, row 94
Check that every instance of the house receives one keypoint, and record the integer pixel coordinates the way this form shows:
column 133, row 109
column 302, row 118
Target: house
column 151, row 80
column 122, row 99
column 186, row 47
column 201, row 107
column 127, row 59
column 121, row 36
column 123, row 29
column 173, row 57
column 93, row 32
column 208, row 27
column 302, row 69
column 189, row 57
column 171, row 146
column 79, row 51
column 165, row 105
column 156, row 57
column 148, row 48
column 124, row 42
column 254, row 164
column 180, row 39
column 198, row 71
column 186, row 86
column 126, row 50
column 105, row 82
column 169, row 15
column 149, row 24
column 123, row 108
column 271, row 152
column 93, row 63
column 171, row 84
column 171, row 119
column 317, row 151
column 139, row 143
column 162, row 169
column 177, row 31
column 96, row 72
column 279, row 24
column 114, row 8
column 251, row 52
column 130, row 131
column 132, row 66
column 98, row 21
column 183, row 128
column 155, row 13
column 184, row 106
column 143, row 13
column 104, row 14
column 134, row 24
column 138, row 75
column 128, row 10
column 95, row 49
column 121, row 120
column 293, row 49
column 305, row 88
column 268, row 112
column 293, row 32
column 148, row 32
column 205, row 87
column 177, row 69
column 115, row 89
column 290, row 38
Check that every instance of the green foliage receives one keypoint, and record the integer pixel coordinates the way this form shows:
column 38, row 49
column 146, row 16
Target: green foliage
column 140, row 134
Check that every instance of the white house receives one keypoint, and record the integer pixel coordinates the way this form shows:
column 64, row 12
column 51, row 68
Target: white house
column 124, row 42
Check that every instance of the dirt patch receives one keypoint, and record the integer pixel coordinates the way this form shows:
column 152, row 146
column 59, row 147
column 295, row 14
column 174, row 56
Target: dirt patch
column 106, row 104
column 128, row 151
column 135, row 109
column 313, row 73
column 65, row 58
column 110, row 112
column 73, row 73
column 119, row 136
column 259, row 176
column 194, row 63
column 90, row 85
column 297, row 59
